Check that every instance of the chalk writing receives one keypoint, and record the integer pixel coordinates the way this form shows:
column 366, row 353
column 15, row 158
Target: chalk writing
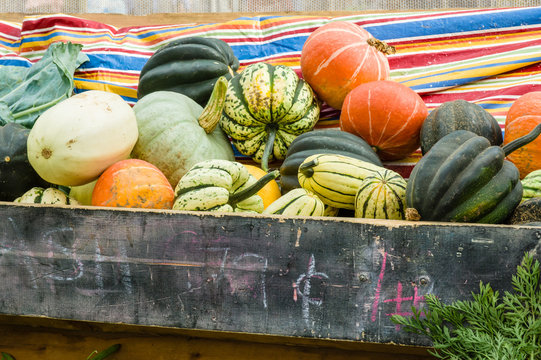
column 398, row 300
column 69, row 273
column 264, row 263
column 306, row 279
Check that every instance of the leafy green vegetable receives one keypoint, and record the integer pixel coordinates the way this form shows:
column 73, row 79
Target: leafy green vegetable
column 6, row 356
column 25, row 93
column 486, row 327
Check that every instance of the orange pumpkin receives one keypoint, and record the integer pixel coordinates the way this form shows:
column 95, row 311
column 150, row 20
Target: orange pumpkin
column 133, row 183
column 339, row 56
column 523, row 115
column 270, row 192
column 387, row 115
column 527, row 104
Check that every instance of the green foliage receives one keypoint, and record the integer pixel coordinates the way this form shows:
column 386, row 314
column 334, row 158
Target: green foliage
column 95, row 355
column 487, row 327
column 25, row 93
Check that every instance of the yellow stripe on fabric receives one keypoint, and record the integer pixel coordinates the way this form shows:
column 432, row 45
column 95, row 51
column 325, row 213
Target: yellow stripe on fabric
column 92, row 85
column 468, row 42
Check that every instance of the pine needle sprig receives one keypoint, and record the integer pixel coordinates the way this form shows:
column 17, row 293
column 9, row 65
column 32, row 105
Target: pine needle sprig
column 487, row 326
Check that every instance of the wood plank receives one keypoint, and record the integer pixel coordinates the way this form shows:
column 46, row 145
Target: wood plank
column 313, row 278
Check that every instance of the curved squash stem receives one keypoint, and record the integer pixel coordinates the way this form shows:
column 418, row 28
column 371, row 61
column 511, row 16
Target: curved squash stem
column 307, row 168
column 381, row 46
column 268, row 148
column 521, row 141
column 210, row 117
column 252, row 190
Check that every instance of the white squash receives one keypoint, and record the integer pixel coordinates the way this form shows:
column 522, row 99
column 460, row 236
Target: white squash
column 83, row 193
column 51, row 196
column 74, row 141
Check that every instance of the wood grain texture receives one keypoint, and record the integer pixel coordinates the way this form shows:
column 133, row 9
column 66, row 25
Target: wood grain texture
column 325, row 278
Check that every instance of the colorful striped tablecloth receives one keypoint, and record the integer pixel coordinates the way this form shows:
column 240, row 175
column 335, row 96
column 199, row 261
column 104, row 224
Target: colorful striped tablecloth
column 486, row 56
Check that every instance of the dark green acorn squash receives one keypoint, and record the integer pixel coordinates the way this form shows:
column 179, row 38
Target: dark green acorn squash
column 16, row 173
column 189, row 66
column 328, row 141
column 463, row 178
column 459, row 115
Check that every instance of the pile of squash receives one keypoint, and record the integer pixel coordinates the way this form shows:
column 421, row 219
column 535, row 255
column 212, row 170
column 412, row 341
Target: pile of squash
column 174, row 149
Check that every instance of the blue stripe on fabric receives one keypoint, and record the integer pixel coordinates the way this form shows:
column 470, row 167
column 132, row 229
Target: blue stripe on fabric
column 6, row 61
column 114, row 61
column 258, row 50
column 457, row 23
column 466, row 80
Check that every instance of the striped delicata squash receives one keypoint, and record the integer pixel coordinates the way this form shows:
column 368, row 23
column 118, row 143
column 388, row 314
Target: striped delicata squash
column 297, row 202
column 220, row 185
column 266, row 107
column 335, row 178
column 382, row 195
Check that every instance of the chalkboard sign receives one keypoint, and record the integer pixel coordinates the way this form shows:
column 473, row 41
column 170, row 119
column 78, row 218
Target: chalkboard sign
column 332, row 278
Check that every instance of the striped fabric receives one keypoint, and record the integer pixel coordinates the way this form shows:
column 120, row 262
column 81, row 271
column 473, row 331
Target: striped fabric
column 486, row 56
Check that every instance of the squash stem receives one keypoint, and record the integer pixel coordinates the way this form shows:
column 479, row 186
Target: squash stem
column 521, row 141
column 268, row 148
column 381, row 46
column 210, row 117
column 252, row 190
column 307, row 168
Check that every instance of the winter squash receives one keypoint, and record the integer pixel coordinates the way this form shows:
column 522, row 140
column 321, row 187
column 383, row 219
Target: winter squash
column 297, row 202
column 329, row 141
column 526, row 105
column 270, row 192
column 266, row 107
column 176, row 133
column 16, row 173
column 381, row 196
column 189, row 66
column 339, row 56
column 523, row 115
column 335, row 178
column 459, row 115
column 83, row 193
column 531, row 185
column 465, row 179
column 74, row 141
column 387, row 115
column 133, row 183
column 49, row 195
column 221, row 185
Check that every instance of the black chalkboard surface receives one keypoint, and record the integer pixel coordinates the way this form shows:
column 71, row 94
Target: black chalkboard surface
column 331, row 278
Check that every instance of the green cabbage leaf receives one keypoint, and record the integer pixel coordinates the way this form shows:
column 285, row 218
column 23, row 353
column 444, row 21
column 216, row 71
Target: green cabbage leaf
column 25, row 93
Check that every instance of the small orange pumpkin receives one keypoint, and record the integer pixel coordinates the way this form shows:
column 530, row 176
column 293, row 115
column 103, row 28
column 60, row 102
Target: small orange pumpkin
column 387, row 115
column 270, row 192
column 523, row 115
column 526, row 104
column 339, row 56
column 133, row 183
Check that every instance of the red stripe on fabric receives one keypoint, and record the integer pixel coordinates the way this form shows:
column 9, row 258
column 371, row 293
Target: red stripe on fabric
column 450, row 55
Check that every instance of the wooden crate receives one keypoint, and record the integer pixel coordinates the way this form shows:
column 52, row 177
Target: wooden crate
column 234, row 285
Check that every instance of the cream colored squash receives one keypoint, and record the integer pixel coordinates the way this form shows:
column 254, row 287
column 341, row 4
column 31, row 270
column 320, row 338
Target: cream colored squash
column 74, row 141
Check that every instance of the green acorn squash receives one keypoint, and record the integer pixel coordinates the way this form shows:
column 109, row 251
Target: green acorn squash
column 459, row 115
column 175, row 132
column 327, row 141
column 16, row 173
column 189, row 66
column 266, row 107
column 463, row 178
column 221, row 185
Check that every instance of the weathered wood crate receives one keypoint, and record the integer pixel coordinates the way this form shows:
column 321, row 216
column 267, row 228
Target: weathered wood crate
column 316, row 283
